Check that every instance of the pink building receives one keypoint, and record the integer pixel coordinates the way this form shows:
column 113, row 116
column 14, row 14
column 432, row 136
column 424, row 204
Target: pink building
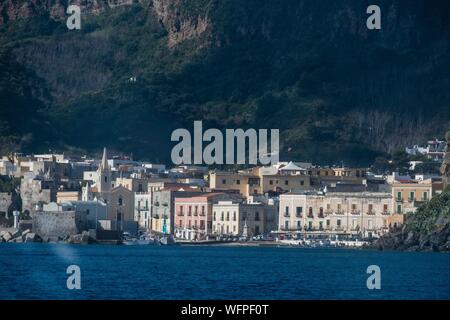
column 193, row 215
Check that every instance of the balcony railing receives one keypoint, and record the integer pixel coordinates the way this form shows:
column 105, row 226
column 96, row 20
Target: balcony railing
column 385, row 213
column 286, row 214
column 298, row 215
column 310, row 215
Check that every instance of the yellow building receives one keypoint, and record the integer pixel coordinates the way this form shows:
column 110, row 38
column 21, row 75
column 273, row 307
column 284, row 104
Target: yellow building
column 250, row 184
column 408, row 196
column 67, row 196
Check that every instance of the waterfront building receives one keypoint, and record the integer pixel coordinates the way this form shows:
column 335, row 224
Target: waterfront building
column 142, row 209
column 364, row 213
column 193, row 215
column 408, row 195
column 232, row 218
column 163, row 207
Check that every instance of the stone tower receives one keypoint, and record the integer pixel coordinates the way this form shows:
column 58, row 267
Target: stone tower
column 104, row 177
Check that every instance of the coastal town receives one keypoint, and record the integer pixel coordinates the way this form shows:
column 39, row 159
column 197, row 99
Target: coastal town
column 115, row 199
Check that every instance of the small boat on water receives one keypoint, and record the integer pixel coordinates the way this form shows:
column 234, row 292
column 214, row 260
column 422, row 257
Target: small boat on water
column 129, row 240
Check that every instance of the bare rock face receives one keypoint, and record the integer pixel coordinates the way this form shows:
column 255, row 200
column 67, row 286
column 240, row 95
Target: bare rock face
column 445, row 167
column 180, row 26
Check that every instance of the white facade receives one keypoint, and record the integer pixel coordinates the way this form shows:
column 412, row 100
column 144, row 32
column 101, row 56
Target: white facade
column 142, row 209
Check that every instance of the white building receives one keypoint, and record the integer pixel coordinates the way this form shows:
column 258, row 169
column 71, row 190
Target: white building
column 142, row 209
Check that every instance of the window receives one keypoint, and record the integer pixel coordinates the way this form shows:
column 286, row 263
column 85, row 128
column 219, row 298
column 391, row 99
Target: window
column 286, row 225
column 385, row 208
column 399, row 196
column 244, row 216
column 120, row 201
column 286, row 212
column 106, row 179
column 302, row 183
column 425, row 196
column 338, row 222
column 399, row 208
column 234, row 216
column 256, row 216
column 321, row 211
column 353, row 207
column 310, row 212
column 238, row 181
column 202, row 224
column 87, row 211
column 370, row 208
column 196, row 211
column 228, row 216
column 203, row 210
column 339, row 207
column 299, row 211
column 190, row 211
column 181, row 210
column 299, row 226
column 411, row 196
column 224, row 181
column 181, row 223
column 286, row 182
column 221, row 216
column 270, row 182
column 214, row 216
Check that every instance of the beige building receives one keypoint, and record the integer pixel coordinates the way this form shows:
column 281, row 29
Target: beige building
column 243, row 219
column 67, row 196
column 133, row 184
column 408, row 196
column 359, row 212
column 250, row 183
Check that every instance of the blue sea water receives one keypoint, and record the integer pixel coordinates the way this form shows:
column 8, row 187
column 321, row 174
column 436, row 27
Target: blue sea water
column 38, row 271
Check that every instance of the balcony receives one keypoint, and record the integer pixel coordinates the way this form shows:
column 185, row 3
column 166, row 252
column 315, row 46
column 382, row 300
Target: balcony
column 310, row 215
column 411, row 199
column 399, row 199
column 321, row 215
column 339, row 212
column 370, row 213
column 385, row 213
column 286, row 215
column 299, row 215
column 355, row 212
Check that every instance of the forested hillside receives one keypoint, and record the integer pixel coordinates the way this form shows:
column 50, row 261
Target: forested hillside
column 338, row 91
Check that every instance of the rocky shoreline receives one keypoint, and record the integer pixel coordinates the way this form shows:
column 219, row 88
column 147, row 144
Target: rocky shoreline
column 26, row 236
column 406, row 240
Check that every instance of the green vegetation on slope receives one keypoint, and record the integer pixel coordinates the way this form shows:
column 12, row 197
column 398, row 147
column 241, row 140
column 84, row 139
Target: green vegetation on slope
column 337, row 91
